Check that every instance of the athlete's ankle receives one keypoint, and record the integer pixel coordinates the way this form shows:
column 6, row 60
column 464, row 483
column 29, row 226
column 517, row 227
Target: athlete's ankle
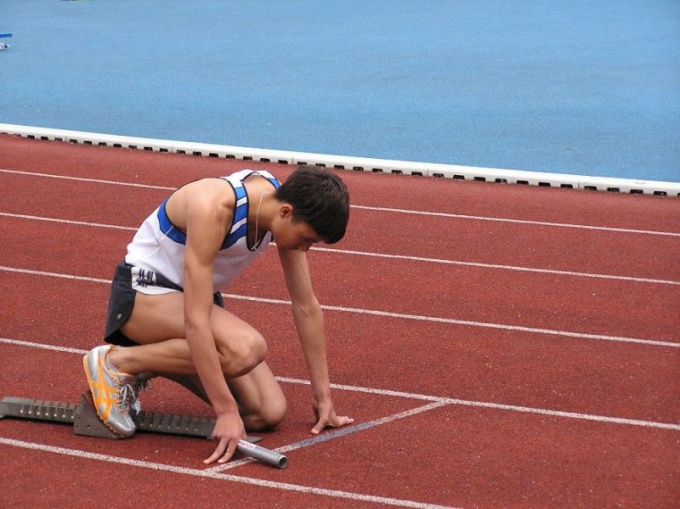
column 117, row 360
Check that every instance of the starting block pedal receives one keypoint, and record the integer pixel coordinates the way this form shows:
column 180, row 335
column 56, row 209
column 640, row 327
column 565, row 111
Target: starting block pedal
column 83, row 417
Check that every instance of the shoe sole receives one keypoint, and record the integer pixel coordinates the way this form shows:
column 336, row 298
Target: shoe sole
column 90, row 403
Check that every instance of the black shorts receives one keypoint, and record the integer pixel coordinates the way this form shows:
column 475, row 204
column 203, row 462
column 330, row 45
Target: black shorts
column 122, row 300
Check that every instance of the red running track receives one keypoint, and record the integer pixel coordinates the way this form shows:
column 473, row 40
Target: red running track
column 498, row 346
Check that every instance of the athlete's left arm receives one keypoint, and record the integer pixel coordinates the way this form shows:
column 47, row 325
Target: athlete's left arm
column 309, row 322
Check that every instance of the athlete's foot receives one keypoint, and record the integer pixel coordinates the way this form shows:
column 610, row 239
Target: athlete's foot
column 112, row 391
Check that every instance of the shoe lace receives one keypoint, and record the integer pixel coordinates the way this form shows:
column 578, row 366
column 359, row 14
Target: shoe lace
column 141, row 383
column 126, row 393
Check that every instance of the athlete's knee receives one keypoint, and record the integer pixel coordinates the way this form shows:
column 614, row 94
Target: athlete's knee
column 242, row 354
column 274, row 413
column 268, row 417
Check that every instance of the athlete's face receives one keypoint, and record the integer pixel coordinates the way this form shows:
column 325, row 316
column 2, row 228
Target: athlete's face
column 294, row 235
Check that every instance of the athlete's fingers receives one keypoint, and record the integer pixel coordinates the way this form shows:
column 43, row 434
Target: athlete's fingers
column 219, row 452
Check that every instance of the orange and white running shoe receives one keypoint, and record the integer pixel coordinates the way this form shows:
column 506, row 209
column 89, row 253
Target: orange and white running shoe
column 112, row 391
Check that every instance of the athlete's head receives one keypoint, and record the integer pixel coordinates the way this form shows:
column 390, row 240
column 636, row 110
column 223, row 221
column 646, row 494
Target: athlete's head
column 320, row 199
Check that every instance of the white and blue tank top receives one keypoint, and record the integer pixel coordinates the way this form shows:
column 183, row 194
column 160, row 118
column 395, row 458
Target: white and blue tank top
column 159, row 246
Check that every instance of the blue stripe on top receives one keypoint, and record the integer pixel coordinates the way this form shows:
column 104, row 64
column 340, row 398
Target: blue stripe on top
column 167, row 228
column 241, row 211
column 239, row 226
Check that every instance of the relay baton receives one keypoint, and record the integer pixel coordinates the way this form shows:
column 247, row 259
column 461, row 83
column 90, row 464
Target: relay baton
column 260, row 453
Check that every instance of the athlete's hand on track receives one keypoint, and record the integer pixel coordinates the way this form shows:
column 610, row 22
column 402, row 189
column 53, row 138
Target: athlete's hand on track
column 228, row 431
column 327, row 418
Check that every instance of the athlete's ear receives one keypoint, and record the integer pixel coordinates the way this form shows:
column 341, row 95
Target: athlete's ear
column 285, row 210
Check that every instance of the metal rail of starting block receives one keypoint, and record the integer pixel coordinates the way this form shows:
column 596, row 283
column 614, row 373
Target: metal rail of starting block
column 85, row 422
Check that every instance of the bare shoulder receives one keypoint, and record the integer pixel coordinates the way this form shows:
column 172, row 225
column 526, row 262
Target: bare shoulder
column 208, row 197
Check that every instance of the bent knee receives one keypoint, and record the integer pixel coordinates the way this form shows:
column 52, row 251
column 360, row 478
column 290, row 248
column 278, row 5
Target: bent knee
column 243, row 354
column 268, row 417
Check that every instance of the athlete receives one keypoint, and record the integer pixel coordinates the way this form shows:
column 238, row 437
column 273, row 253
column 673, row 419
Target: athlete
column 166, row 315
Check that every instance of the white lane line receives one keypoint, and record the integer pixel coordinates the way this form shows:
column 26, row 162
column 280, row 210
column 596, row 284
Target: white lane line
column 436, row 400
column 569, row 415
column 43, row 346
column 388, row 314
column 339, row 433
column 497, row 266
column 390, row 256
column 497, row 406
column 518, row 221
column 468, row 323
column 366, row 390
column 54, row 274
column 67, row 221
column 162, row 467
column 380, row 209
column 83, row 179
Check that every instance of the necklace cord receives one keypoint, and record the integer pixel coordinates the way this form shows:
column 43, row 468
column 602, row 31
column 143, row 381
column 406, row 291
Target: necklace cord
column 257, row 219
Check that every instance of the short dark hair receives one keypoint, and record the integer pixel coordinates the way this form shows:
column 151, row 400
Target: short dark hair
column 319, row 198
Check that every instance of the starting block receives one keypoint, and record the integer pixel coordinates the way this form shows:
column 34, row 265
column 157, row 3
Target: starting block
column 4, row 45
column 83, row 417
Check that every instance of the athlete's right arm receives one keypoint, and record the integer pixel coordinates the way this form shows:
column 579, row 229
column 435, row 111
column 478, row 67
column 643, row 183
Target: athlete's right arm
column 205, row 228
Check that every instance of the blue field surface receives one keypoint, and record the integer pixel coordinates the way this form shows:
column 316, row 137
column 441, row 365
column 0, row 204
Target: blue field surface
column 579, row 87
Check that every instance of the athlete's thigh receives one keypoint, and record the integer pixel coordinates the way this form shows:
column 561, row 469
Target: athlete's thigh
column 158, row 318
column 155, row 318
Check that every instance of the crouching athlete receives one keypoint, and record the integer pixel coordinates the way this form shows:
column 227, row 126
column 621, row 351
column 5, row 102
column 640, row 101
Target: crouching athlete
column 166, row 315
